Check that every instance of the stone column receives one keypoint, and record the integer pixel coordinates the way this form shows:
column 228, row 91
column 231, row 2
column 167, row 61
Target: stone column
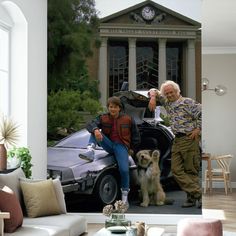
column 102, row 72
column 132, row 64
column 191, row 70
column 162, row 61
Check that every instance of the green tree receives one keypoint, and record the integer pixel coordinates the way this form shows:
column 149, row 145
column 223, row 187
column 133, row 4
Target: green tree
column 64, row 108
column 72, row 32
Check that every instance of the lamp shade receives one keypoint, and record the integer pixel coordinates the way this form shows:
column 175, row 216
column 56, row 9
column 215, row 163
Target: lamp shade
column 220, row 90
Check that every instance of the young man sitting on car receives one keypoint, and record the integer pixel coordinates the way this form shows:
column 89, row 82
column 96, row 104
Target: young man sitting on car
column 117, row 133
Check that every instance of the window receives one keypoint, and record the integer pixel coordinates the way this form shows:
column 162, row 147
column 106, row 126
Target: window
column 118, row 65
column 4, row 70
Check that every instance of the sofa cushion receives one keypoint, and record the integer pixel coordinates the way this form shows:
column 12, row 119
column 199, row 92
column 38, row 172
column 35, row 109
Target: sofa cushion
column 74, row 222
column 58, row 191
column 10, row 203
column 40, row 198
column 60, row 195
column 12, row 181
column 39, row 230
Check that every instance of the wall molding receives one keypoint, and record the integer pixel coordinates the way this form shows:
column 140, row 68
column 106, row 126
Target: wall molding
column 160, row 219
column 218, row 50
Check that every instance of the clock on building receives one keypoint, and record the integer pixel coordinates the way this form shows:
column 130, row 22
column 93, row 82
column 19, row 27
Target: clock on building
column 148, row 13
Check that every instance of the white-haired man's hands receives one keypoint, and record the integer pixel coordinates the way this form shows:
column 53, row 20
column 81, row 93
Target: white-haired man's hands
column 153, row 93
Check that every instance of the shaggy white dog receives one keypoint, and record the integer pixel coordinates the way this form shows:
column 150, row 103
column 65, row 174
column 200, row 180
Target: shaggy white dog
column 149, row 177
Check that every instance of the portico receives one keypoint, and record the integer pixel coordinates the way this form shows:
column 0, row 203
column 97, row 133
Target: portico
column 146, row 50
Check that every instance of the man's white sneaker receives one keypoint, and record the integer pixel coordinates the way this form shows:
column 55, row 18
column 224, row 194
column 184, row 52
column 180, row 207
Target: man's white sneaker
column 124, row 197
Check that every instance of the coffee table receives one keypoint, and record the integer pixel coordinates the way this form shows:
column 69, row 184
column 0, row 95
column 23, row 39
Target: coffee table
column 105, row 232
column 157, row 231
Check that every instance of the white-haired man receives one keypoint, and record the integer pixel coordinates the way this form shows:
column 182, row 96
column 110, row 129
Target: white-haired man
column 185, row 118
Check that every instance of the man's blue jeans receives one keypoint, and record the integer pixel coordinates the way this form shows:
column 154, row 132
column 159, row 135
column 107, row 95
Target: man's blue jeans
column 120, row 152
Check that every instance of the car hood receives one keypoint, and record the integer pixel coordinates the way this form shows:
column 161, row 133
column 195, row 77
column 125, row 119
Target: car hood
column 62, row 157
column 69, row 157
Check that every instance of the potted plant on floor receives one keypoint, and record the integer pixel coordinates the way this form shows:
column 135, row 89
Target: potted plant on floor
column 8, row 137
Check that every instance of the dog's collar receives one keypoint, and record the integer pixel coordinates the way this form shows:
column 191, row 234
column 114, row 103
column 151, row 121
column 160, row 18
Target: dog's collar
column 144, row 168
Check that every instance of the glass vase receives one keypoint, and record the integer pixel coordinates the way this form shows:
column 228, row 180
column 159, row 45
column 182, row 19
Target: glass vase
column 117, row 219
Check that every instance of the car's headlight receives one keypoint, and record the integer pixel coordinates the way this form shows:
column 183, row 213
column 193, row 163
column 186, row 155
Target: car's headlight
column 54, row 174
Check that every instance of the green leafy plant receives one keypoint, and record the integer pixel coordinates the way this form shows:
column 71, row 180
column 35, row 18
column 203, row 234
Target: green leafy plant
column 166, row 120
column 23, row 154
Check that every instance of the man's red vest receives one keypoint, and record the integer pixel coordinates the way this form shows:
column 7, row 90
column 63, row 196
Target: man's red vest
column 123, row 124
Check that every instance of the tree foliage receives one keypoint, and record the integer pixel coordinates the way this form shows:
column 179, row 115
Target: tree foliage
column 72, row 32
column 63, row 111
column 72, row 35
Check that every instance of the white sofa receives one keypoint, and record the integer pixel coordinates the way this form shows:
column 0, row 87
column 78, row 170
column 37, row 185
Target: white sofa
column 65, row 224
column 69, row 224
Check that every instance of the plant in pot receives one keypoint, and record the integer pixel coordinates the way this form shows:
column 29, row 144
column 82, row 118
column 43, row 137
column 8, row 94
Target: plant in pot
column 23, row 157
column 117, row 215
column 8, row 137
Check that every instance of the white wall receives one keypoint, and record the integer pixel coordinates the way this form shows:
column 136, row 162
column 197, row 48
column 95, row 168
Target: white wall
column 29, row 75
column 219, row 112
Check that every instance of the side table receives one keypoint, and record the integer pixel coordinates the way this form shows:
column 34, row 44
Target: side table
column 3, row 215
column 8, row 170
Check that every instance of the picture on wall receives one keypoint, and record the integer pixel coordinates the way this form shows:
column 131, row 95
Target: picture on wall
column 128, row 54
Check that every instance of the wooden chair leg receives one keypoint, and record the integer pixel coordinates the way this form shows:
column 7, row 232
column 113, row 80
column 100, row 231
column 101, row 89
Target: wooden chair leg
column 226, row 185
column 205, row 187
column 229, row 183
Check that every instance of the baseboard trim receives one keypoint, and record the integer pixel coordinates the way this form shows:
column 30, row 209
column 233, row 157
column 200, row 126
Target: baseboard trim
column 160, row 219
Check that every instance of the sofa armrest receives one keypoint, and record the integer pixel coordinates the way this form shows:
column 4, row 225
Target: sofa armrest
column 3, row 215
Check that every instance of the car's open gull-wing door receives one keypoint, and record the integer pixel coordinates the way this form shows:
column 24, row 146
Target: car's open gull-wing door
column 134, row 104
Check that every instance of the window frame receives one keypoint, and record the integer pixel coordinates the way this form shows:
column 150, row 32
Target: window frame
column 4, row 70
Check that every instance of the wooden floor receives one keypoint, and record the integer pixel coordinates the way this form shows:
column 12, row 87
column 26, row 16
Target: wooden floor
column 221, row 206
column 216, row 205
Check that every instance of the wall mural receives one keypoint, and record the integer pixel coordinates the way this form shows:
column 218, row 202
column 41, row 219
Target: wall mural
column 90, row 184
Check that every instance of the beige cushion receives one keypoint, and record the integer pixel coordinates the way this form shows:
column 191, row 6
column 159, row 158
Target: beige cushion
column 40, row 198
column 74, row 222
column 60, row 195
column 12, row 181
column 39, row 230
column 58, row 191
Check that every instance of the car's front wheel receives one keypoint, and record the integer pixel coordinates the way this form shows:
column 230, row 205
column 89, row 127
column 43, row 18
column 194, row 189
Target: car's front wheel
column 106, row 189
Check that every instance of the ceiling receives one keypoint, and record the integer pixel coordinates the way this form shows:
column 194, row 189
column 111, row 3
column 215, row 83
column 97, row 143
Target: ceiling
column 219, row 25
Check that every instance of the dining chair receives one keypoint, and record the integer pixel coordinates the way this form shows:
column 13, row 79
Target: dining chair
column 221, row 173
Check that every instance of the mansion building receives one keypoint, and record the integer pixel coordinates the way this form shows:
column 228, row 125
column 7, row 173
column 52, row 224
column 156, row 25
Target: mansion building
column 145, row 45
